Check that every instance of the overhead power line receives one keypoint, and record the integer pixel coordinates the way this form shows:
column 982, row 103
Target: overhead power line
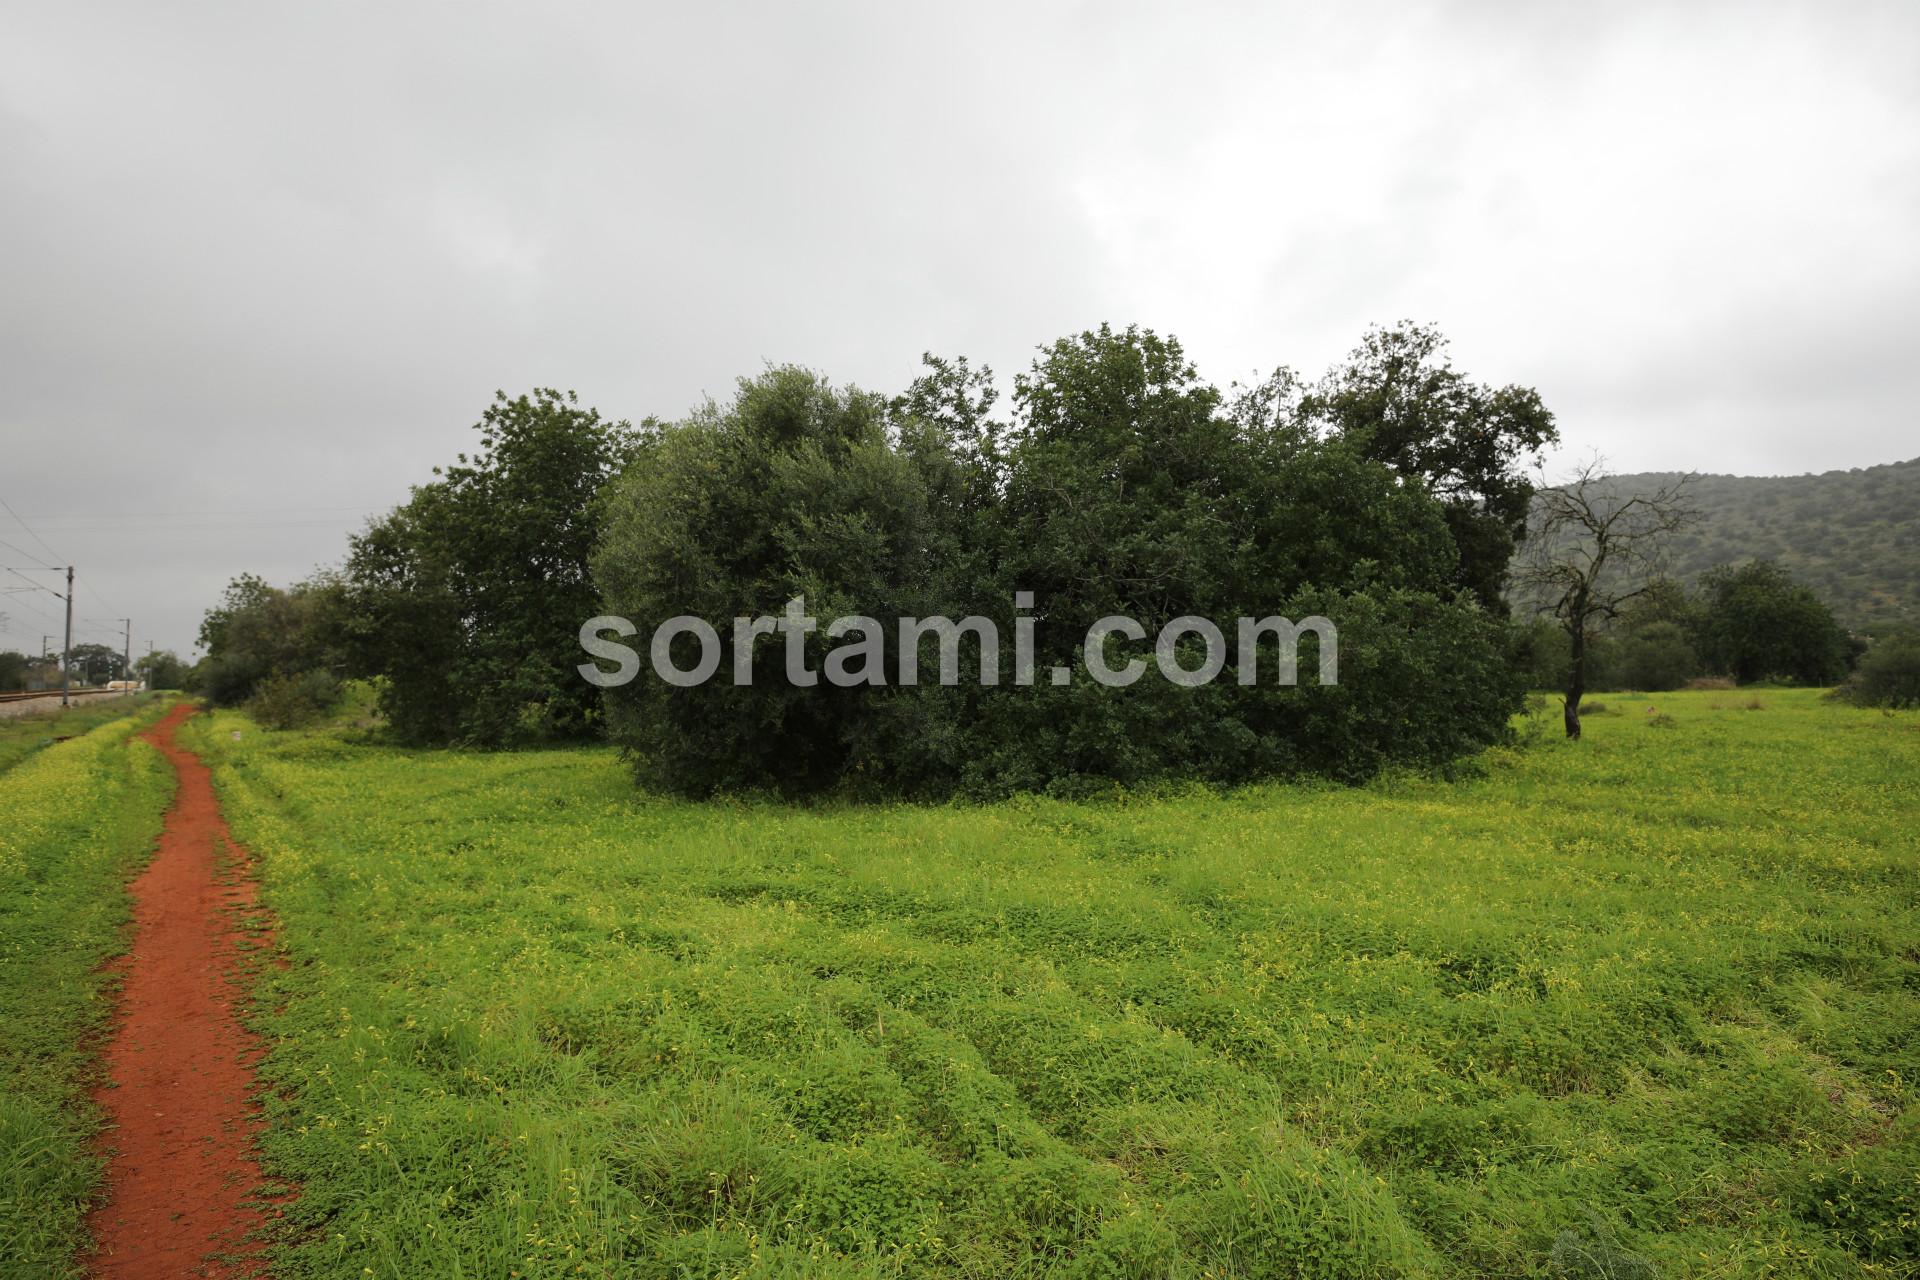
column 8, row 507
column 88, row 586
column 25, row 554
column 31, row 584
column 42, row 614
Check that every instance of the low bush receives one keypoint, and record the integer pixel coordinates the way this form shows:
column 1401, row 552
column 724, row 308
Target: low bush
column 1656, row 658
column 1889, row 675
column 294, row 700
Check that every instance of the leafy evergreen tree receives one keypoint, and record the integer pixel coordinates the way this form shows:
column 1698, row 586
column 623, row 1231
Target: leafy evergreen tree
column 1399, row 400
column 794, row 489
column 1761, row 624
column 468, row 598
column 1123, row 485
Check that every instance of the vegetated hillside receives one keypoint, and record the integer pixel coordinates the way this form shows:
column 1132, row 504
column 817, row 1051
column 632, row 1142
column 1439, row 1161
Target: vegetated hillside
column 1853, row 536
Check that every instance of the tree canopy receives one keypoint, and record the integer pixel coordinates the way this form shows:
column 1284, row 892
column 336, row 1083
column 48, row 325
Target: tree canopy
column 1399, row 401
column 1760, row 624
column 467, row 597
column 1119, row 483
column 1123, row 484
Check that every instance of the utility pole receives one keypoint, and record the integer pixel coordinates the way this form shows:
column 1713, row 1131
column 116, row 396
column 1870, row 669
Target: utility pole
column 126, row 654
column 66, row 658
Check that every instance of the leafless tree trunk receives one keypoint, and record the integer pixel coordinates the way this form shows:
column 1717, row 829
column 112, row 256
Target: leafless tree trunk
column 1592, row 549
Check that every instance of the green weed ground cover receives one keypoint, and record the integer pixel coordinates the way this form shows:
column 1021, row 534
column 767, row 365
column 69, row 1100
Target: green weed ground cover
column 76, row 820
column 21, row 736
column 1643, row 1005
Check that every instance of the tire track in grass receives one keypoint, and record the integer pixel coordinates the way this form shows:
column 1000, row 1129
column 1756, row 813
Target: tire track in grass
column 181, row 1174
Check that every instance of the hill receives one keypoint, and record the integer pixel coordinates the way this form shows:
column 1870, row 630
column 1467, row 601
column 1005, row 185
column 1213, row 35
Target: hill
column 1853, row 536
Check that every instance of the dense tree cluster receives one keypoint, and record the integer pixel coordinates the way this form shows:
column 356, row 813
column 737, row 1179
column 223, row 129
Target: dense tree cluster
column 279, row 650
column 162, row 669
column 1758, row 623
column 1389, row 496
column 467, row 598
column 1398, row 400
column 1121, row 485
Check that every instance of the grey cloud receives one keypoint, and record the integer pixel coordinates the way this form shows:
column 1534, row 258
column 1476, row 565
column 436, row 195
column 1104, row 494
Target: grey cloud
column 261, row 267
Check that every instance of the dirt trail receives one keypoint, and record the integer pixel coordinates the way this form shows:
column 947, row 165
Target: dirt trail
column 181, row 1167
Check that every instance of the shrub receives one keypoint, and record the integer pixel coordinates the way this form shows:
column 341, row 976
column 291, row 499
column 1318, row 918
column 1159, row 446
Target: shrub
column 1889, row 674
column 293, row 700
column 258, row 630
column 1711, row 682
column 1656, row 657
column 793, row 490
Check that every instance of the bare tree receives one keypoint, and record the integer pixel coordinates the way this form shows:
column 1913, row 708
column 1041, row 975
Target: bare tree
column 1591, row 550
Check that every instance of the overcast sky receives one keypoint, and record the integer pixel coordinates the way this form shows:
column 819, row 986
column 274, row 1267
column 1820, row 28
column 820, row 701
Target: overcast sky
column 262, row 266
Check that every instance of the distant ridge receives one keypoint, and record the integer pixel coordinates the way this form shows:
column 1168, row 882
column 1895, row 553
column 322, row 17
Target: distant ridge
column 1853, row 536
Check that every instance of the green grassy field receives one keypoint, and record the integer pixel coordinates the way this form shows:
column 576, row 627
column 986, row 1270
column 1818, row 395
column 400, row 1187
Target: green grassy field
column 21, row 736
column 1644, row 1005
column 76, row 819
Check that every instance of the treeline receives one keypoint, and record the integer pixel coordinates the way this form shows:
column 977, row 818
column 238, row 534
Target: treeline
column 1746, row 623
column 1389, row 495
column 463, row 604
column 93, row 664
column 1383, row 497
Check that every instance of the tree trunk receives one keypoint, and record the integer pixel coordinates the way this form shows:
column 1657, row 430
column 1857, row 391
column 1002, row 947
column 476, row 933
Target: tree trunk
column 1576, row 680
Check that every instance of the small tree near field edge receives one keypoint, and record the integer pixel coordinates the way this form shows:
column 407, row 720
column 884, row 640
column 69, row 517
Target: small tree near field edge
column 1593, row 550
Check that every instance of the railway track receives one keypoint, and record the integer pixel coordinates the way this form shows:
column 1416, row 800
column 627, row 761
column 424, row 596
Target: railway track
column 23, row 696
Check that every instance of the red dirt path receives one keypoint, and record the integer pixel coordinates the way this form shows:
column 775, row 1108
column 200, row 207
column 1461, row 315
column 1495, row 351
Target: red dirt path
column 181, row 1169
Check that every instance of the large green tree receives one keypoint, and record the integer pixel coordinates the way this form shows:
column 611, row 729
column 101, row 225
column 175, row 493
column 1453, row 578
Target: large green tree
column 794, row 489
column 1398, row 400
column 258, row 630
column 468, row 597
column 1762, row 624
